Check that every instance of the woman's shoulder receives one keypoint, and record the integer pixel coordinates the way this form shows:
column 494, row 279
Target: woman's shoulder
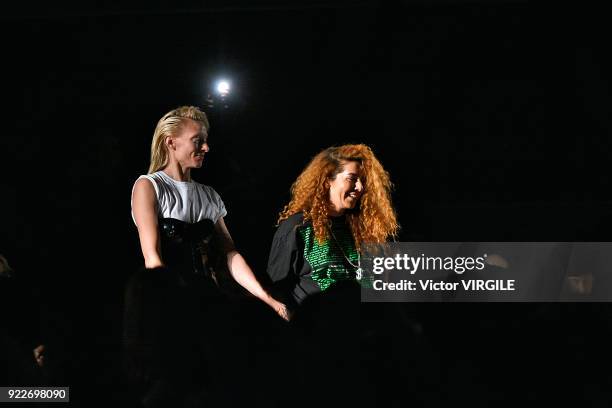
column 291, row 223
column 286, row 235
column 295, row 218
column 152, row 178
column 156, row 179
column 204, row 186
column 145, row 182
column 144, row 177
column 209, row 190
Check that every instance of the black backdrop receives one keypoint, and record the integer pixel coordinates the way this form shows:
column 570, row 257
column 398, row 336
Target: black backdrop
column 491, row 117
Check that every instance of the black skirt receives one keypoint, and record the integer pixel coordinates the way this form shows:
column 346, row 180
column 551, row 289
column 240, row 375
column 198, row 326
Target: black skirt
column 169, row 314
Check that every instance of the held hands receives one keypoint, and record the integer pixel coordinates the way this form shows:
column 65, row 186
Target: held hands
column 280, row 309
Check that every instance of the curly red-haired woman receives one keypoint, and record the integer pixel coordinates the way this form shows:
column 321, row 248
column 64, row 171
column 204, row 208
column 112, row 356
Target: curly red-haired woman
column 340, row 202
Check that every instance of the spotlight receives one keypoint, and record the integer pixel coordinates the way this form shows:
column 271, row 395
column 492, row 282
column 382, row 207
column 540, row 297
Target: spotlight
column 218, row 96
column 223, row 88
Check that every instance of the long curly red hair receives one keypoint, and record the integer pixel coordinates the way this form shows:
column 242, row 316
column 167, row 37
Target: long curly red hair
column 373, row 220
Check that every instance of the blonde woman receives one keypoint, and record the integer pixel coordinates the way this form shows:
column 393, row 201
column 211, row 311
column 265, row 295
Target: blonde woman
column 173, row 306
column 166, row 202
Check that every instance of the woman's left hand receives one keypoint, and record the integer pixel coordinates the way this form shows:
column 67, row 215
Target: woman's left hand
column 281, row 310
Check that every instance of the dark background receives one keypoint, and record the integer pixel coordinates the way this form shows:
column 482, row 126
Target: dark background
column 492, row 118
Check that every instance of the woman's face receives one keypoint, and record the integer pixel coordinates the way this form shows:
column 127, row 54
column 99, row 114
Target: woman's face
column 346, row 189
column 190, row 145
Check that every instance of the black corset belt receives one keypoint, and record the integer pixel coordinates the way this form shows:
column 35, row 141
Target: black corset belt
column 188, row 248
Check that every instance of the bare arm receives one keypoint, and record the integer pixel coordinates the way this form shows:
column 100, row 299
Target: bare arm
column 242, row 273
column 143, row 207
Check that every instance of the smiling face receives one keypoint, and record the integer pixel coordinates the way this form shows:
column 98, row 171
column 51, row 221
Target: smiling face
column 346, row 188
column 189, row 145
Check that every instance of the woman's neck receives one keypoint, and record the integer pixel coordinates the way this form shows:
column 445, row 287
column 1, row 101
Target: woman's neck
column 335, row 210
column 332, row 212
column 176, row 172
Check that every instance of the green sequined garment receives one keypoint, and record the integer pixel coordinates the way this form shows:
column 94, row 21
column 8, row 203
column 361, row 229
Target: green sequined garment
column 327, row 260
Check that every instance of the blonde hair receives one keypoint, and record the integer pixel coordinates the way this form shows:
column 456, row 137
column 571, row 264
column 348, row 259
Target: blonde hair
column 168, row 126
column 374, row 221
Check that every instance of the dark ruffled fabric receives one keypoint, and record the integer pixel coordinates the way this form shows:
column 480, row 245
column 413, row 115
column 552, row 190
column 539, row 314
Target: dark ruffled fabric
column 189, row 249
column 165, row 326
